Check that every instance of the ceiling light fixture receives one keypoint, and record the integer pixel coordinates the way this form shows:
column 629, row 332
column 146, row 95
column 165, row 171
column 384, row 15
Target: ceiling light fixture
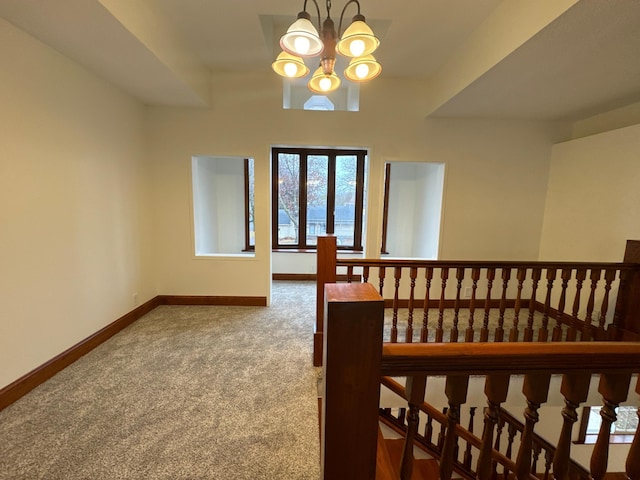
column 302, row 40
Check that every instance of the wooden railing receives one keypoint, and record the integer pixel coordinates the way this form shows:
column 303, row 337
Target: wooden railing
column 477, row 301
column 508, row 430
column 356, row 359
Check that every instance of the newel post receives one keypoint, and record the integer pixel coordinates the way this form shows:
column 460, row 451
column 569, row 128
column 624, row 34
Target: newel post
column 354, row 317
column 626, row 321
column 325, row 273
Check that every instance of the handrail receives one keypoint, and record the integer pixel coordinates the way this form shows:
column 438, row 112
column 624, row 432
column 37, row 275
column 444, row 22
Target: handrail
column 401, row 359
column 404, row 263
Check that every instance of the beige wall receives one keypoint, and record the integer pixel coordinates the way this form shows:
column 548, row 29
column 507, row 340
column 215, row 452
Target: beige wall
column 495, row 185
column 87, row 173
column 592, row 204
column 74, row 204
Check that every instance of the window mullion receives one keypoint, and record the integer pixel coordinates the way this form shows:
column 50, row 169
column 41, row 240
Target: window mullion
column 275, row 240
column 331, row 194
column 357, row 240
column 302, row 226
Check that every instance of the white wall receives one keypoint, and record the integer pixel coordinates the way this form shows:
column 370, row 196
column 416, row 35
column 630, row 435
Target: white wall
column 592, row 204
column 493, row 199
column 74, row 204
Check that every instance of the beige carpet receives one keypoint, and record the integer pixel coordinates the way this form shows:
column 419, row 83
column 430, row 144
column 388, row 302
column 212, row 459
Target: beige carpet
column 184, row 393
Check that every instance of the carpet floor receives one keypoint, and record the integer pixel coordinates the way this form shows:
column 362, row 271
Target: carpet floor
column 183, row 393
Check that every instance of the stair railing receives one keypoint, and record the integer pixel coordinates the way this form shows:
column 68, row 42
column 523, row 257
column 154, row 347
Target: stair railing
column 493, row 301
column 355, row 359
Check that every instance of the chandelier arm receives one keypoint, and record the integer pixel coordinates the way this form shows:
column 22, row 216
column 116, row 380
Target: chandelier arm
column 304, row 7
column 340, row 32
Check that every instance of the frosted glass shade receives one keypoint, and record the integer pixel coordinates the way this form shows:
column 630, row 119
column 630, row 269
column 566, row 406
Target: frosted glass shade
column 302, row 39
column 322, row 83
column 361, row 69
column 290, row 66
column 357, row 40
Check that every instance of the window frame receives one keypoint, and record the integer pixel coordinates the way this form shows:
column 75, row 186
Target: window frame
column 332, row 153
column 247, row 207
column 585, row 438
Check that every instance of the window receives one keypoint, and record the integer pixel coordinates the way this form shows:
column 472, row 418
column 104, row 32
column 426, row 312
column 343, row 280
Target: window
column 622, row 430
column 317, row 192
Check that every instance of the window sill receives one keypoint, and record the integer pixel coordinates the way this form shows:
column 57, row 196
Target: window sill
column 313, row 250
column 615, row 438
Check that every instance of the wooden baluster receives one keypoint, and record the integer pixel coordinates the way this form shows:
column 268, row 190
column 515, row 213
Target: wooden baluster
column 535, row 389
column 575, row 389
column 456, row 305
column 444, row 275
column 543, row 333
column 350, row 274
column 468, row 458
column 484, row 332
column 428, row 430
column 496, row 446
column 365, row 274
column 511, row 431
column 548, row 460
column 475, row 276
column 456, row 390
column 402, row 411
column 397, row 274
column 496, row 388
column 609, row 277
column 536, row 274
column 413, row 273
column 443, row 430
column 506, row 276
column 572, row 333
column 633, row 459
column 415, row 389
column 557, row 330
column 515, row 333
column 381, row 275
column 614, row 389
column 537, row 449
column 424, row 333
column 595, row 278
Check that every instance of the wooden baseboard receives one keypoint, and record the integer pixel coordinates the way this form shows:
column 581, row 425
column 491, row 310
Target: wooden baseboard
column 208, row 300
column 31, row 380
column 313, row 277
column 44, row 372
column 294, row 276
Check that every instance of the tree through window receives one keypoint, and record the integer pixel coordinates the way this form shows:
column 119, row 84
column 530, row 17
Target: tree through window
column 317, row 192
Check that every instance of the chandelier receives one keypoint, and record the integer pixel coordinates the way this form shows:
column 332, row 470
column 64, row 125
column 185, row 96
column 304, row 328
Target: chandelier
column 302, row 41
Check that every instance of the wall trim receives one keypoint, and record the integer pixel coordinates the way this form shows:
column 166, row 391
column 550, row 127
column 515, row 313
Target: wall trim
column 44, row 372
column 209, row 300
column 23, row 385
column 312, row 276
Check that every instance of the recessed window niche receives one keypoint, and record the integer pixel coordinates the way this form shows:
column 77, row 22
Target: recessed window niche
column 220, row 205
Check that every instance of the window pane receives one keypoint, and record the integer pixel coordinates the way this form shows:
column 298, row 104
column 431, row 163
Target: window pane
column 288, row 197
column 346, row 176
column 252, row 203
column 317, row 175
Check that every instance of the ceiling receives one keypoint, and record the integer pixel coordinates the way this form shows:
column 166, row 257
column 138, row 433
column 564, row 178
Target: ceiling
column 543, row 60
